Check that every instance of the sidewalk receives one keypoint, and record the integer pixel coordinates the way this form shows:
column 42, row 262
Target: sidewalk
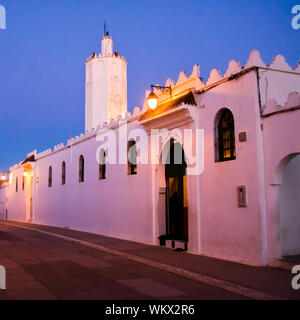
column 246, row 280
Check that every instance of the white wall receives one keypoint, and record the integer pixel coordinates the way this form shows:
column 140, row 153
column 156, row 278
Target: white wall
column 130, row 207
column 2, row 201
column 277, row 85
column 116, row 206
column 290, row 208
column 16, row 200
column 228, row 231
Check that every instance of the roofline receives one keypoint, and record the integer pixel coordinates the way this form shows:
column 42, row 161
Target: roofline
column 237, row 75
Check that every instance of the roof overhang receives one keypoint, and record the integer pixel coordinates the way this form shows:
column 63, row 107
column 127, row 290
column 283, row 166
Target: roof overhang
column 173, row 113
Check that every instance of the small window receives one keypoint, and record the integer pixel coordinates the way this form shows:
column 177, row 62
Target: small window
column 81, row 169
column 225, row 136
column 50, row 177
column 17, row 182
column 131, row 158
column 102, row 165
column 63, row 173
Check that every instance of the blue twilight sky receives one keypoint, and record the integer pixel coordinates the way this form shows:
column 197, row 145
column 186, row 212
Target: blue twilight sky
column 43, row 50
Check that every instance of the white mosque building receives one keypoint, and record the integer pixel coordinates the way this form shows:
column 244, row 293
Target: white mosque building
column 234, row 191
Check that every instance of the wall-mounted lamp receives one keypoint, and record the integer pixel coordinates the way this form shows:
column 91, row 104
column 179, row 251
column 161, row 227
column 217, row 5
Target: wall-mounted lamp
column 25, row 174
column 152, row 98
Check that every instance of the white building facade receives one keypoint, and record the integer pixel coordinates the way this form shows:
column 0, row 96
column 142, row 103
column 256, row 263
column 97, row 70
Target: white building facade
column 236, row 194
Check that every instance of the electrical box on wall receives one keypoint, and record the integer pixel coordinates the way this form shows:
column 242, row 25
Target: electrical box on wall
column 241, row 196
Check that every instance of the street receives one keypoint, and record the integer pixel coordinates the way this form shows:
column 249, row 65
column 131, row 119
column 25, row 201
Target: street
column 39, row 266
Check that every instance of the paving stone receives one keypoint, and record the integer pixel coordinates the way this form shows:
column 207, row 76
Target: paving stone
column 152, row 288
column 35, row 294
column 41, row 267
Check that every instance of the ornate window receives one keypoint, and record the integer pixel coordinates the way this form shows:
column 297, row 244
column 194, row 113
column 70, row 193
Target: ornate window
column 50, row 177
column 225, row 136
column 102, row 165
column 63, row 173
column 131, row 158
column 81, row 168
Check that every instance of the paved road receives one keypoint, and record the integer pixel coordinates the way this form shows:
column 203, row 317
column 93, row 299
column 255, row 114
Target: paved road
column 42, row 267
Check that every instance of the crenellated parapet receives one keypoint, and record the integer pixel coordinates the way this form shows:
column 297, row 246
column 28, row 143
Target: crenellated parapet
column 184, row 83
column 58, row 147
column 292, row 102
column 195, row 82
column 98, row 56
column 43, row 153
column 111, row 125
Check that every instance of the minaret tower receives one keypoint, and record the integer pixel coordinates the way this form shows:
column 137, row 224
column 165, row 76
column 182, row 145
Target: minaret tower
column 105, row 86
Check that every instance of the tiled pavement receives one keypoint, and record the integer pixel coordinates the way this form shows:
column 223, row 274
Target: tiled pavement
column 42, row 267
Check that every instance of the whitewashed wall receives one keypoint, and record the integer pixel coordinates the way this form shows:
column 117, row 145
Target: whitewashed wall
column 117, row 206
column 132, row 207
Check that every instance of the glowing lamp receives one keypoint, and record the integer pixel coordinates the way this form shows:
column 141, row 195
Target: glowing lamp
column 24, row 174
column 152, row 98
column 3, row 177
column 152, row 101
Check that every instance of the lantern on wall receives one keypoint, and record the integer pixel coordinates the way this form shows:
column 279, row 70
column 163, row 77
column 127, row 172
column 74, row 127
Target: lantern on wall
column 153, row 99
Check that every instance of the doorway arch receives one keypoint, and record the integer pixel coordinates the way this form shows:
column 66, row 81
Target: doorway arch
column 288, row 178
column 176, row 197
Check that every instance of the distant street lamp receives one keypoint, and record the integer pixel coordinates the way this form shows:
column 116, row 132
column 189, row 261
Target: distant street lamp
column 3, row 178
column 152, row 98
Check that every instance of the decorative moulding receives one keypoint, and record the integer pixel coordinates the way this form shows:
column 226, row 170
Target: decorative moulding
column 136, row 111
column 170, row 82
column 293, row 100
column 182, row 78
column 255, row 60
column 127, row 116
column 195, row 72
column 215, row 76
column 279, row 63
column 105, row 125
column 233, row 67
column 297, row 68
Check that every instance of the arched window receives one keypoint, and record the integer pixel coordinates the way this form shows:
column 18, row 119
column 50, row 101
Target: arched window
column 102, row 165
column 131, row 158
column 225, row 136
column 17, row 181
column 63, row 173
column 50, row 177
column 81, row 168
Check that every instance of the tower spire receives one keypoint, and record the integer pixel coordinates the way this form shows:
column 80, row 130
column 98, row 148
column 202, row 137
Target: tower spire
column 106, row 33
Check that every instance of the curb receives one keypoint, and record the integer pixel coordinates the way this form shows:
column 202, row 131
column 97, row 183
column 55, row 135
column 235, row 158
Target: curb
column 283, row 265
column 207, row 280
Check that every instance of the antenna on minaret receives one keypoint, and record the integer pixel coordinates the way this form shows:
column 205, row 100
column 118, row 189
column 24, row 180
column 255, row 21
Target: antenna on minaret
column 105, row 31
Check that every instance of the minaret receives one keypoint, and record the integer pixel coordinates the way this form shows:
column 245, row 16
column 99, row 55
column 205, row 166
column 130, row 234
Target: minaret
column 105, row 86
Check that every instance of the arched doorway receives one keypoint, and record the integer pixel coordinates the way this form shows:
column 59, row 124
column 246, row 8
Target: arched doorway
column 176, row 193
column 289, row 206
